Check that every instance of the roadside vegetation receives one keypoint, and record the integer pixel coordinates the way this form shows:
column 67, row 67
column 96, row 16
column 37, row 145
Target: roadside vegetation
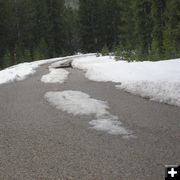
column 133, row 30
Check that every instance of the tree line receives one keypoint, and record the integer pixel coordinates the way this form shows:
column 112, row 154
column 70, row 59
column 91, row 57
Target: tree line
column 36, row 29
column 135, row 29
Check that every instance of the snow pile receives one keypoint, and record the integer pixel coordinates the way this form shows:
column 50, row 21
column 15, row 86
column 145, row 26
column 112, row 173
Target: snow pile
column 159, row 81
column 55, row 76
column 164, row 92
column 79, row 103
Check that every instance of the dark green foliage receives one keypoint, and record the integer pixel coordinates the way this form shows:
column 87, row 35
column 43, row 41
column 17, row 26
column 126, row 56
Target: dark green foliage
column 6, row 59
column 100, row 23
column 71, row 31
column 105, row 51
column 158, row 9
column 41, row 51
column 35, row 29
column 3, row 30
column 133, row 30
column 172, row 29
column 143, row 25
column 122, row 53
column 56, row 34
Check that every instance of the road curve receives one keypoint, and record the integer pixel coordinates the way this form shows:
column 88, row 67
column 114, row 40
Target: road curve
column 39, row 142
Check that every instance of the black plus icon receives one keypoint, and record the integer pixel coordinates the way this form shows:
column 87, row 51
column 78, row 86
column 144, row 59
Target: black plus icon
column 172, row 172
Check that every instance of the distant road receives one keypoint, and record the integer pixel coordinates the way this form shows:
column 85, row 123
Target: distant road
column 39, row 142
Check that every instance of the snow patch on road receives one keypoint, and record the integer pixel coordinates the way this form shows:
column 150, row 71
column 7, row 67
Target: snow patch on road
column 159, row 81
column 55, row 76
column 79, row 103
column 111, row 126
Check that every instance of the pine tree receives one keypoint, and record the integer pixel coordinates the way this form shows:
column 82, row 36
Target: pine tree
column 41, row 22
column 101, row 24
column 113, row 23
column 128, row 36
column 41, row 51
column 88, row 27
column 3, row 30
column 158, row 8
column 6, row 59
column 71, row 27
column 143, row 23
column 172, row 29
column 56, row 36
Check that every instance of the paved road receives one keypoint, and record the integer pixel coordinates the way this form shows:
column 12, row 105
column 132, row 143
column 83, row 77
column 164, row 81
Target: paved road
column 39, row 142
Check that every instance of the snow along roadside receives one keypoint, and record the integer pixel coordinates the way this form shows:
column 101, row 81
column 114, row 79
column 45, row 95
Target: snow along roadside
column 158, row 81
column 79, row 103
column 22, row 71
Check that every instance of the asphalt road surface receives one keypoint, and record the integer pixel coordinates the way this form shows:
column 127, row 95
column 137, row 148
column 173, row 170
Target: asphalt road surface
column 39, row 142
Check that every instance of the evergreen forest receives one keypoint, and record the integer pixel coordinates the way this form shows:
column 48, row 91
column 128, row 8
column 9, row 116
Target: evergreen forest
column 134, row 29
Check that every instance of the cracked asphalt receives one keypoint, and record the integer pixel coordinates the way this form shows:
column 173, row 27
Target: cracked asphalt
column 39, row 142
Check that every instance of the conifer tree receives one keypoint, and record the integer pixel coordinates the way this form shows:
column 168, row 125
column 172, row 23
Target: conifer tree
column 172, row 29
column 158, row 8
column 3, row 30
column 143, row 23
column 56, row 36
column 88, row 25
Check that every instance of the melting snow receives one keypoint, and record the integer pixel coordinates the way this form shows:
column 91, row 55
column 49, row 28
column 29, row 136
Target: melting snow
column 79, row 103
column 55, row 76
column 21, row 71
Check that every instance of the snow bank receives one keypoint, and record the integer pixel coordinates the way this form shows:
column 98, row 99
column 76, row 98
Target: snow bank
column 159, row 81
column 55, row 76
column 86, row 63
column 21, row 71
column 79, row 103
column 164, row 92
column 18, row 72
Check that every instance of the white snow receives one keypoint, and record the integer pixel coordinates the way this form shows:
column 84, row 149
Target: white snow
column 164, row 92
column 55, row 76
column 58, row 75
column 18, row 72
column 111, row 126
column 85, row 63
column 79, row 103
column 159, row 81
column 21, row 71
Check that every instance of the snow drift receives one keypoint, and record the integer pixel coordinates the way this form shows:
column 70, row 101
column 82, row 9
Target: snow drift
column 158, row 81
